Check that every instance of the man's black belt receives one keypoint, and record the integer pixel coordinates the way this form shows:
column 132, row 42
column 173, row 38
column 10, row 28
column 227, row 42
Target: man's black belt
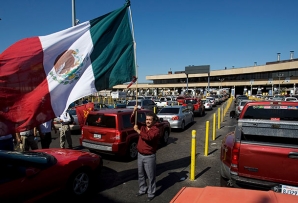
column 145, row 154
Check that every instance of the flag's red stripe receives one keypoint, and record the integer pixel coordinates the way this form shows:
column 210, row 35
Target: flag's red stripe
column 23, row 83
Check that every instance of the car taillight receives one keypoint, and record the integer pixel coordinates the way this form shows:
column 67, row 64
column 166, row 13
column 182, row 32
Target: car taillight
column 116, row 136
column 235, row 158
column 175, row 118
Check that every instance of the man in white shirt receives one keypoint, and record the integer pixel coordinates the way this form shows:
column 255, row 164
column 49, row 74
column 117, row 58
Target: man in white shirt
column 65, row 130
column 45, row 133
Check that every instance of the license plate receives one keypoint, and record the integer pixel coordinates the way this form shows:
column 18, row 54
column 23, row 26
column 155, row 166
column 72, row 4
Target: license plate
column 285, row 189
column 98, row 136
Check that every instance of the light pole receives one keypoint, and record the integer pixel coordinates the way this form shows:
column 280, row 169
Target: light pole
column 279, row 75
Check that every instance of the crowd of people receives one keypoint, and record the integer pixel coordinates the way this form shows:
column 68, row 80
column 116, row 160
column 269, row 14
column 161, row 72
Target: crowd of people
column 28, row 139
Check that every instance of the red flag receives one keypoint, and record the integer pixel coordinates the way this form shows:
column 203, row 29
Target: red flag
column 83, row 111
column 134, row 79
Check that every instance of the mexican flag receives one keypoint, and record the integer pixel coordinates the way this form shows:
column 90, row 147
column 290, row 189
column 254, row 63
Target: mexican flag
column 41, row 76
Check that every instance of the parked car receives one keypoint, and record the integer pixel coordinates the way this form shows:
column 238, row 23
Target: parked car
column 239, row 107
column 212, row 100
column 240, row 97
column 207, row 104
column 73, row 125
column 29, row 176
column 110, row 131
column 178, row 116
column 142, row 104
column 180, row 100
column 290, row 99
column 196, row 105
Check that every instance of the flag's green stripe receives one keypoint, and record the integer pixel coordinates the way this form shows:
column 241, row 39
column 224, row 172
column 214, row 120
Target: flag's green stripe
column 113, row 54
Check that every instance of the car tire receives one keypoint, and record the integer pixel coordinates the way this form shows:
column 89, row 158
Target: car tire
column 182, row 126
column 165, row 138
column 80, row 183
column 192, row 120
column 132, row 151
column 224, row 182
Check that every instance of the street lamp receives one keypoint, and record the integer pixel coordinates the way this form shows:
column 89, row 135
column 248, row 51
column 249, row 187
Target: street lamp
column 279, row 75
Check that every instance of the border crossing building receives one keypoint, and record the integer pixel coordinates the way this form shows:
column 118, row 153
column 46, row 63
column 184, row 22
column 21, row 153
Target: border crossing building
column 276, row 77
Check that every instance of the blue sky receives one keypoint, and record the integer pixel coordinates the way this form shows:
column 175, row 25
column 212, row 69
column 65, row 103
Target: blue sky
column 172, row 34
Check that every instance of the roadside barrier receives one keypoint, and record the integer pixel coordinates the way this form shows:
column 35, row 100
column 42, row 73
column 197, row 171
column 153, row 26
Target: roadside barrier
column 214, row 127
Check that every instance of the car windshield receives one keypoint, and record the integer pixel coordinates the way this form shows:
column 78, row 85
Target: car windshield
column 169, row 110
column 101, row 120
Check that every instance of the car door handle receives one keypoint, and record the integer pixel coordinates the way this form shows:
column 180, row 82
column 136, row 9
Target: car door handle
column 293, row 155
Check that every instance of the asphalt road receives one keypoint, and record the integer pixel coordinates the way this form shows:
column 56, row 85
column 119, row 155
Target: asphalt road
column 119, row 178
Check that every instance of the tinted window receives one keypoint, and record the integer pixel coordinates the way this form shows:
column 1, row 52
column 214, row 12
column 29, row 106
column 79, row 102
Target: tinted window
column 170, row 110
column 72, row 112
column 133, row 103
column 126, row 121
column 261, row 112
column 101, row 120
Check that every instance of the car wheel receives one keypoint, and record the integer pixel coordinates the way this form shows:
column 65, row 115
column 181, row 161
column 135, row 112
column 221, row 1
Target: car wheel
column 79, row 183
column 165, row 138
column 132, row 151
column 182, row 126
column 224, row 182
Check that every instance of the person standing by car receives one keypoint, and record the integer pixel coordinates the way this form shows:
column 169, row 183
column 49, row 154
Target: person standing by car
column 147, row 146
column 65, row 130
column 45, row 133
column 27, row 139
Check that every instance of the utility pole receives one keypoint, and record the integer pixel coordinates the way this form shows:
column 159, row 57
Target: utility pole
column 73, row 9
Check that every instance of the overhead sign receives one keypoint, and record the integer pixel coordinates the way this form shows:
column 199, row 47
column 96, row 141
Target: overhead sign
column 197, row 69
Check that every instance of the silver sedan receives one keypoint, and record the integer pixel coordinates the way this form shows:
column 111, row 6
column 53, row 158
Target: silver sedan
column 178, row 116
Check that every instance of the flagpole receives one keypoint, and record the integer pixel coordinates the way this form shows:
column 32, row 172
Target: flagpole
column 135, row 54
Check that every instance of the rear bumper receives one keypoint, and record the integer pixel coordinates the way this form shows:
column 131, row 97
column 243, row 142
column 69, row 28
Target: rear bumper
column 110, row 148
column 243, row 182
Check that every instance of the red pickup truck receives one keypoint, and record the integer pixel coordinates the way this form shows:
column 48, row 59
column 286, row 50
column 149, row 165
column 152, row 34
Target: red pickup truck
column 262, row 152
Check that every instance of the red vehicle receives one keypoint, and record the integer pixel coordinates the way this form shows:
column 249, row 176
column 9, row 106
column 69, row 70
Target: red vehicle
column 180, row 100
column 196, row 105
column 229, row 195
column 262, row 152
column 110, row 131
column 35, row 174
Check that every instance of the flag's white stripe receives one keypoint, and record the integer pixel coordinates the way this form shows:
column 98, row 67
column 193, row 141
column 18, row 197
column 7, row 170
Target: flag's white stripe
column 77, row 38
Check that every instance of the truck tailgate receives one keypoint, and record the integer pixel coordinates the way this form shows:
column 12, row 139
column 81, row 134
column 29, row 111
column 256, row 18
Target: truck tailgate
column 276, row 164
column 269, row 150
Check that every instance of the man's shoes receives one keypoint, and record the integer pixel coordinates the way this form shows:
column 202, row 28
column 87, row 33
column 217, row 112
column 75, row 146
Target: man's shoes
column 150, row 198
column 140, row 194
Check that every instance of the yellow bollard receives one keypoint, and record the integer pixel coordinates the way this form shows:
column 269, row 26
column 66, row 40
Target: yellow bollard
column 193, row 155
column 114, row 105
column 154, row 109
column 222, row 114
column 214, row 126
column 207, row 138
column 218, row 117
